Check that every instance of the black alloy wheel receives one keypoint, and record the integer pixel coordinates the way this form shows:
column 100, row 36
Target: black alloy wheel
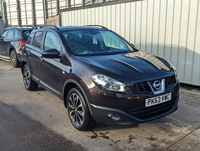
column 28, row 82
column 13, row 58
column 78, row 111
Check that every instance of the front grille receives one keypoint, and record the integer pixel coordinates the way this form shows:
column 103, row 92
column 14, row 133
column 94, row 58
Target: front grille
column 153, row 111
column 143, row 87
column 169, row 81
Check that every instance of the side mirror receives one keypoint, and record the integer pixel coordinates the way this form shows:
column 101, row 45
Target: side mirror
column 1, row 39
column 133, row 45
column 51, row 53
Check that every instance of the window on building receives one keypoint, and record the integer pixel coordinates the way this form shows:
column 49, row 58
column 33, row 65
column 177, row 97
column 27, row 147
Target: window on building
column 51, row 8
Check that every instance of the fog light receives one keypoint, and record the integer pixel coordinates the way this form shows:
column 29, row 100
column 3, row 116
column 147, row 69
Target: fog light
column 113, row 116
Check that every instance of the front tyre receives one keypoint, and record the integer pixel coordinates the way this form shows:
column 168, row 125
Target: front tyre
column 77, row 110
column 28, row 82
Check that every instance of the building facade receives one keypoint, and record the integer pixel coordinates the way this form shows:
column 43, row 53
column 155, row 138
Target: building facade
column 167, row 28
column 36, row 12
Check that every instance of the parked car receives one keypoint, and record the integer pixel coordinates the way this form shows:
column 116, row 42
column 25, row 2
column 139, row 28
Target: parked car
column 99, row 75
column 12, row 40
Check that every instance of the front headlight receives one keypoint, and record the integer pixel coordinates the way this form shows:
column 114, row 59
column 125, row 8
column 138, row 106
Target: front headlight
column 107, row 83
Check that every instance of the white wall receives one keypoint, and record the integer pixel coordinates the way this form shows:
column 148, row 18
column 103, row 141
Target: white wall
column 168, row 28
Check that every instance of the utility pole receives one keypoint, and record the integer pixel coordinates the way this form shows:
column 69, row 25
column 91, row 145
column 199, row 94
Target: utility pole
column 33, row 13
column 18, row 13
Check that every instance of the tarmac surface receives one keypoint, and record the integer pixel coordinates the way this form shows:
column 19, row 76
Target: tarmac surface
column 38, row 120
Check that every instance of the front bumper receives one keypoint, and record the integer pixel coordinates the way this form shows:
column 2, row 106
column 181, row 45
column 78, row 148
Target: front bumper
column 135, row 112
column 100, row 114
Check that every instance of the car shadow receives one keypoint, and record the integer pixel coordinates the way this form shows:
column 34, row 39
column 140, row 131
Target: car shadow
column 40, row 89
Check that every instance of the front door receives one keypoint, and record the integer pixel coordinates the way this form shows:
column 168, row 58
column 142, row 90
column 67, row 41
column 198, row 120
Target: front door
column 51, row 74
column 2, row 38
column 6, row 42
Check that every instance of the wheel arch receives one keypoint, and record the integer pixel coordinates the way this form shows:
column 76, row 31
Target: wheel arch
column 10, row 49
column 71, row 83
column 22, row 65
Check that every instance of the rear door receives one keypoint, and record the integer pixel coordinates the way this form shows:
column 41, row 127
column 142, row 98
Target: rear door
column 51, row 74
column 33, row 53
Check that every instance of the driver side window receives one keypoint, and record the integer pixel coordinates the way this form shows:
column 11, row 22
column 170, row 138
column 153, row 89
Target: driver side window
column 4, row 34
column 51, row 42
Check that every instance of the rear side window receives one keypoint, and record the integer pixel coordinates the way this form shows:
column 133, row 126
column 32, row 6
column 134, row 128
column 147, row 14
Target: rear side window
column 29, row 40
column 16, row 34
column 26, row 34
column 4, row 34
column 37, row 40
column 11, row 34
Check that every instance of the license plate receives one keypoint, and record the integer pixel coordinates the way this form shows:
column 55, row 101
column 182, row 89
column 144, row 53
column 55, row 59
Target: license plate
column 158, row 100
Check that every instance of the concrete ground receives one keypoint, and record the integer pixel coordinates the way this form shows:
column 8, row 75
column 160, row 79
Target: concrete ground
column 38, row 120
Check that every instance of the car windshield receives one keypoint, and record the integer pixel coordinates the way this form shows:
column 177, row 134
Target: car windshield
column 26, row 33
column 95, row 42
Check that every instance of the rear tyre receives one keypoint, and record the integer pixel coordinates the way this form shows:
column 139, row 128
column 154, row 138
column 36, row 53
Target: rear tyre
column 28, row 82
column 78, row 111
column 13, row 58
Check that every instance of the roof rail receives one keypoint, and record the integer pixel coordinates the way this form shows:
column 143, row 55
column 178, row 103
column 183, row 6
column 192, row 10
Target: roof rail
column 97, row 26
column 42, row 26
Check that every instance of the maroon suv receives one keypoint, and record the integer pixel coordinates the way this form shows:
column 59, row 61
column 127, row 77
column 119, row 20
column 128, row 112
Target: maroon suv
column 99, row 75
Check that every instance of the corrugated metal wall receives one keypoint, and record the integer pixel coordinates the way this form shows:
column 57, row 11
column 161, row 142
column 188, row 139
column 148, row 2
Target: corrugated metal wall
column 168, row 28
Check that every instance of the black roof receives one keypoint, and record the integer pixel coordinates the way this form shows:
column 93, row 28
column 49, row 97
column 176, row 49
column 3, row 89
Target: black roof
column 71, row 28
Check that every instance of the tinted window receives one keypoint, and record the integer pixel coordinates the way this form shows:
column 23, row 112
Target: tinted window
column 29, row 40
column 96, row 42
column 4, row 34
column 51, row 42
column 37, row 40
column 26, row 34
column 113, row 41
column 11, row 34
